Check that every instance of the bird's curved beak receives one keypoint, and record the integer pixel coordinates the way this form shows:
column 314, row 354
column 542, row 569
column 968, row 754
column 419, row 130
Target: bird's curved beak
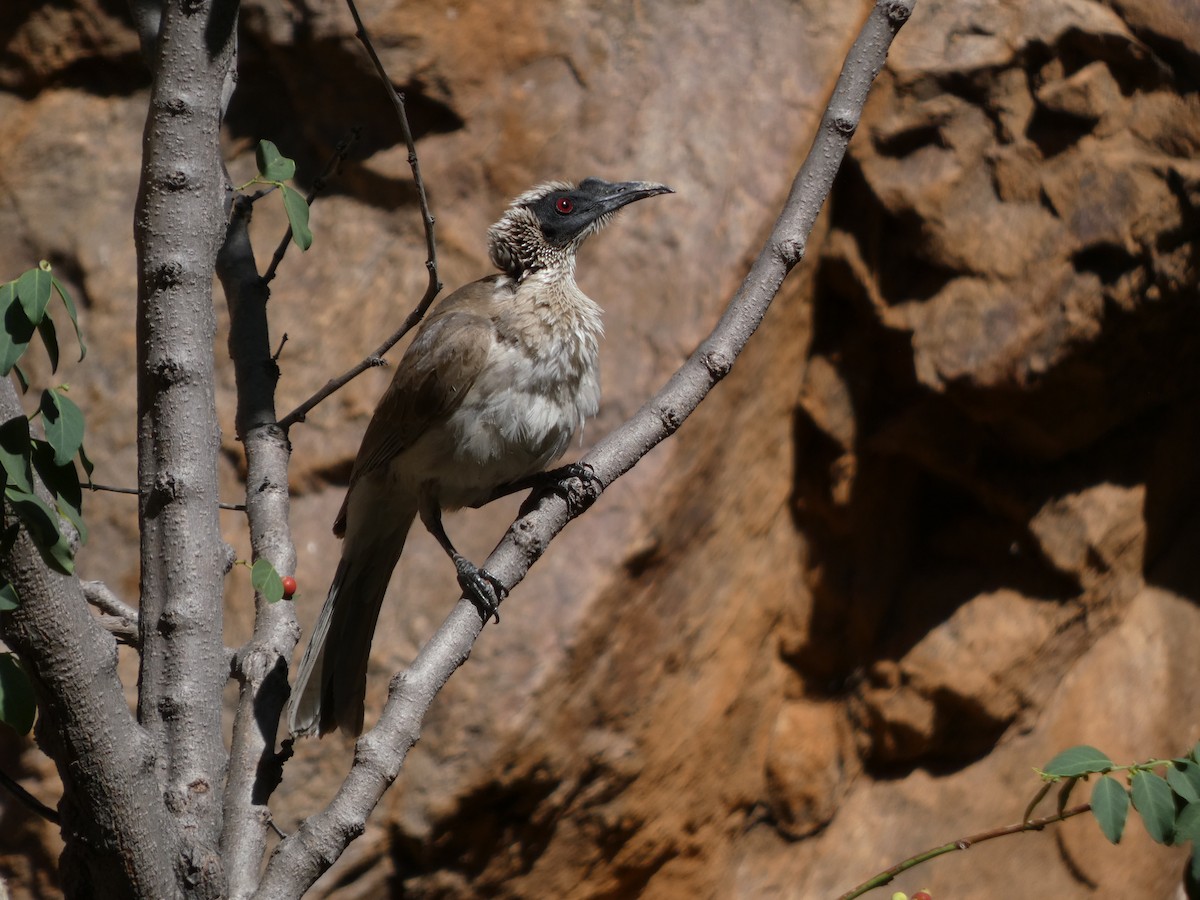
column 613, row 196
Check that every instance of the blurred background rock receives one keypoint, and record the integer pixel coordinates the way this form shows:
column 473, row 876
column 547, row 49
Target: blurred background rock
column 938, row 524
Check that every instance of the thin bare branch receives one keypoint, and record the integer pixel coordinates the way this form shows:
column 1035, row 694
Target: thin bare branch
column 434, row 287
column 27, row 799
column 886, row 876
column 92, row 486
column 124, row 630
column 101, row 596
column 380, row 753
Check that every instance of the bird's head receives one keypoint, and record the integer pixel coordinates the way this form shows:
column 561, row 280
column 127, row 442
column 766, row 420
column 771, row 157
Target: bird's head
column 547, row 224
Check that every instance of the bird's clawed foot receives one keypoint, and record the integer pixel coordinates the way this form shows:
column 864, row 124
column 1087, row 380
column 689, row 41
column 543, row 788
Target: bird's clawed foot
column 577, row 483
column 481, row 587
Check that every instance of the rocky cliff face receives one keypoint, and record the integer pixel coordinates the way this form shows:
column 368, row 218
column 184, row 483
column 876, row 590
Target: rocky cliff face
column 937, row 525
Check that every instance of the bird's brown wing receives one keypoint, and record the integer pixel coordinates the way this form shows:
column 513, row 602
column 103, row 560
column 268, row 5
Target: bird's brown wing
column 432, row 378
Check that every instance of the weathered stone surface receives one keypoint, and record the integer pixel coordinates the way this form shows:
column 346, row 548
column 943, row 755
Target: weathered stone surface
column 938, row 523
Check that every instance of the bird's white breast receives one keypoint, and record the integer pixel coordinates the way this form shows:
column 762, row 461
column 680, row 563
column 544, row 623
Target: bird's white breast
column 538, row 386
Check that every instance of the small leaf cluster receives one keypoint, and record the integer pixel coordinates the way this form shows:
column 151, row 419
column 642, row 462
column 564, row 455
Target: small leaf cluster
column 24, row 307
column 26, row 458
column 22, row 454
column 274, row 169
column 1169, row 803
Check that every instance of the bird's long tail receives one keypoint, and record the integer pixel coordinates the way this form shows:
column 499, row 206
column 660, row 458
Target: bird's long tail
column 331, row 685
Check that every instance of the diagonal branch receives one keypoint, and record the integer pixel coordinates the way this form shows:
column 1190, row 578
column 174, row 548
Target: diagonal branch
column 435, row 286
column 380, row 753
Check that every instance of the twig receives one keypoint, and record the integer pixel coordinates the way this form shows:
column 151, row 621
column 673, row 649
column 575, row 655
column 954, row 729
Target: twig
column 101, row 596
column 340, row 152
column 380, row 753
column 33, row 803
column 435, row 286
column 122, row 629
column 112, row 489
column 886, row 876
column 119, row 618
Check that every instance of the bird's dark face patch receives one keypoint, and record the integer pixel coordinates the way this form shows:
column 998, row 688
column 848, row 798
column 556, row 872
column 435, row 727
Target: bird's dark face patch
column 564, row 215
column 543, row 226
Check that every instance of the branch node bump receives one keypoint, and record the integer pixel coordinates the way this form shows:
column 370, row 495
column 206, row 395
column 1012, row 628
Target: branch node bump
column 169, row 274
column 670, row 418
column 791, row 250
column 897, row 12
column 718, row 363
column 844, row 123
column 176, row 181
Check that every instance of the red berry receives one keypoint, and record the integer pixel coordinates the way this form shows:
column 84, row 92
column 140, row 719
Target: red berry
column 922, row 895
column 289, row 586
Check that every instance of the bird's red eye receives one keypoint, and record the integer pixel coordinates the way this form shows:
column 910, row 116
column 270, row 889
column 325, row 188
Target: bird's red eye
column 564, row 205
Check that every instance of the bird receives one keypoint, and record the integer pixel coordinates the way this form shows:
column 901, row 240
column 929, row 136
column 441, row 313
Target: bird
column 500, row 376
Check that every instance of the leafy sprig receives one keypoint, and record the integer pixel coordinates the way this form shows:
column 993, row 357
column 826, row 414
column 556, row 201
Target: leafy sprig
column 273, row 170
column 1164, row 792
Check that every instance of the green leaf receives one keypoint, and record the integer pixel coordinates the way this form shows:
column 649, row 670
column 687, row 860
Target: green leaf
column 70, row 305
column 15, row 448
column 266, row 581
column 1188, row 769
column 1081, row 760
column 1064, row 793
column 15, row 328
column 297, row 212
column 8, row 598
column 42, row 524
column 33, row 290
column 50, row 339
column 17, row 703
column 88, row 466
column 1152, row 798
column 1184, row 779
column 22, row 378
column 63, row 483
column 1110, row 806
column 273, row 165
column 64, row 425
column 1187, row 826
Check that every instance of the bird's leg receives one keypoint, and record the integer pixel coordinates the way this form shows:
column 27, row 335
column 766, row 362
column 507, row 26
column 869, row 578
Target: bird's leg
column 478, row 585
column 577, row 483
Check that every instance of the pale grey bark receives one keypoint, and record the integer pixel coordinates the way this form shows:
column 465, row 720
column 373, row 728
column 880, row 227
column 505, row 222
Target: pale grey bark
column 379, row 755
column 260, row 667
column 114, row 822
column 179, row 226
